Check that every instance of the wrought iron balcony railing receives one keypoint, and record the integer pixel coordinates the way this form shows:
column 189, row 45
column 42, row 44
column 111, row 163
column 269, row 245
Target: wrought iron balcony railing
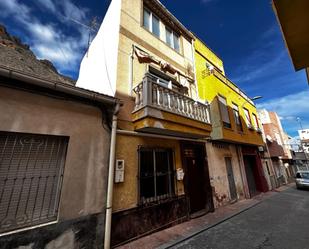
column 150, row 93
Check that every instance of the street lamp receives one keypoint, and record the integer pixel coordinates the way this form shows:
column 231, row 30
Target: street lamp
column 256, row 97
column 252, row 99
column 299, row 121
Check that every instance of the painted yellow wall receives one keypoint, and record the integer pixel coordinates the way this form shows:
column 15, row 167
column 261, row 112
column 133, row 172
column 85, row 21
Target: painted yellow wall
column 126, row 193
column 210, row 86
column 132, row 33
column 209, row 55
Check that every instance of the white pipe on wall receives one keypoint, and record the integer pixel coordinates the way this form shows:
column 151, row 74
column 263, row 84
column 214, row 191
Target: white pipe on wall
column 110, row 184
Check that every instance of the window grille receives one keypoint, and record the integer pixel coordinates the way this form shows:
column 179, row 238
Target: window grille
column 156, row 175
column 31, row 172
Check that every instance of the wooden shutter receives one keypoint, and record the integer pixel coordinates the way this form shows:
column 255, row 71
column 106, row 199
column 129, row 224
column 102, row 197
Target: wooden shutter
column 31, row 172
column 223, row 110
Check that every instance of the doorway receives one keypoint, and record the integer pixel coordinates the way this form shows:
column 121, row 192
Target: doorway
column 252, row 174
column 197, row 183
column 230, row 177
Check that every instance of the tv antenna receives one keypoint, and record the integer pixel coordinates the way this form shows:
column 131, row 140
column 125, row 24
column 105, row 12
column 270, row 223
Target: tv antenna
column 93, row 27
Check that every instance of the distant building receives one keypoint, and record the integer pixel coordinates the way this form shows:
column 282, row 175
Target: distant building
column 278, row 145
column 304, row 140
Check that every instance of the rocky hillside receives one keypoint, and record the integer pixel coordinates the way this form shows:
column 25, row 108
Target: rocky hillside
column 16, row 55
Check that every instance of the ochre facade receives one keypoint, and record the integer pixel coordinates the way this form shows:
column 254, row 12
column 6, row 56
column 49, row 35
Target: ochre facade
column 156, row 116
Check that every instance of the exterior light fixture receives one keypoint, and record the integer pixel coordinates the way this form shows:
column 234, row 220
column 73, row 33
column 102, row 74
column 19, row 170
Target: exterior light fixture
column 256, row 97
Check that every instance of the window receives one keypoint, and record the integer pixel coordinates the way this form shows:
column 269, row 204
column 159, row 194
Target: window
column 172, row 39
column 256, row 122
column 224, row 112
column 147, row 18
column 155, row 26
column 161, row 78
column 237, row 117
column 151, row 22
column 156, row 174
column 169, row 37
column 31, row 170
column 248, row 119
column 278, row 138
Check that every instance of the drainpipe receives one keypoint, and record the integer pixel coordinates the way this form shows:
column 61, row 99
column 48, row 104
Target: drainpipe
column 110, row 184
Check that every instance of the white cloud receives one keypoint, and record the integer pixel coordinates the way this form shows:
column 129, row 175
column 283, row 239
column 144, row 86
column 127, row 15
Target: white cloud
column 74, row 12
column 252, row 70
column 42, row 32
column 13, row 7
column 290, row 107
column 48, row 4
column 48, row 40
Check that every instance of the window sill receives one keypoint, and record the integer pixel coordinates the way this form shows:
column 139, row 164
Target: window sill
column 158, row 202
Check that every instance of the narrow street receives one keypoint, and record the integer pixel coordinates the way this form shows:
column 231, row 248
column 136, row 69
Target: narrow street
column 281, row 221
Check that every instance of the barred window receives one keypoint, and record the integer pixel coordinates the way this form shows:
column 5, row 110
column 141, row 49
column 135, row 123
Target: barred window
column 156, row 174
column 31, row 172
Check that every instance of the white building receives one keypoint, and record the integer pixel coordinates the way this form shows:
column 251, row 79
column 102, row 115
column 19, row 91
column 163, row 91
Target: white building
column 304, row 139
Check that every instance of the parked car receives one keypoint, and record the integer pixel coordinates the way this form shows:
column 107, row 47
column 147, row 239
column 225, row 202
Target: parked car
column 302, row 179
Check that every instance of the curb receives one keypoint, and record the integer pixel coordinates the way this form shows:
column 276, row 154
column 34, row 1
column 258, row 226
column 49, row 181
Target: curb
column 193, row 234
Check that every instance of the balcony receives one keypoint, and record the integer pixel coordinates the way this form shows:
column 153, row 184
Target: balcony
column 159, row 109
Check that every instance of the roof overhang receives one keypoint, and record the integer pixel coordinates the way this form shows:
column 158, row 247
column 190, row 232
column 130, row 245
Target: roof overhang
column 58, row 87
column 166, row 16
column 293, row 18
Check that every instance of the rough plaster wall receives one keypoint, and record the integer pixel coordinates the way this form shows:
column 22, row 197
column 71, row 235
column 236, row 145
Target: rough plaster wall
column 267, row 176
column 126, row 193
column 83, row 190
column 218, row 173
column 81, row 233
column 64, row 241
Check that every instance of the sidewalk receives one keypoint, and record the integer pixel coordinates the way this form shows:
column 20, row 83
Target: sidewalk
column 175, row 234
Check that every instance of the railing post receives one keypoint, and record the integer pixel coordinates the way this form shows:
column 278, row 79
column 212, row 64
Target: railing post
column 154, row 94
column 147, row 91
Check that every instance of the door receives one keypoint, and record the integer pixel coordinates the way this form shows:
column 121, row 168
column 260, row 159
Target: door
column 230, row 176
column 197, row 181
column 250, row 166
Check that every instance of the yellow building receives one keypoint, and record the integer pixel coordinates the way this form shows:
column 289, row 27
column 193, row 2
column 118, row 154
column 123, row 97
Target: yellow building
column 146, row 59
column 236, row 142
column 293, row 18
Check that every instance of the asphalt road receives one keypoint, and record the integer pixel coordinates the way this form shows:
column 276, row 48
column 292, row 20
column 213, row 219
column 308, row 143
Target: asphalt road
column 279, row 222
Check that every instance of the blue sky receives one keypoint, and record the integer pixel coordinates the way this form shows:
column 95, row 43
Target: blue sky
column 245, row 34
